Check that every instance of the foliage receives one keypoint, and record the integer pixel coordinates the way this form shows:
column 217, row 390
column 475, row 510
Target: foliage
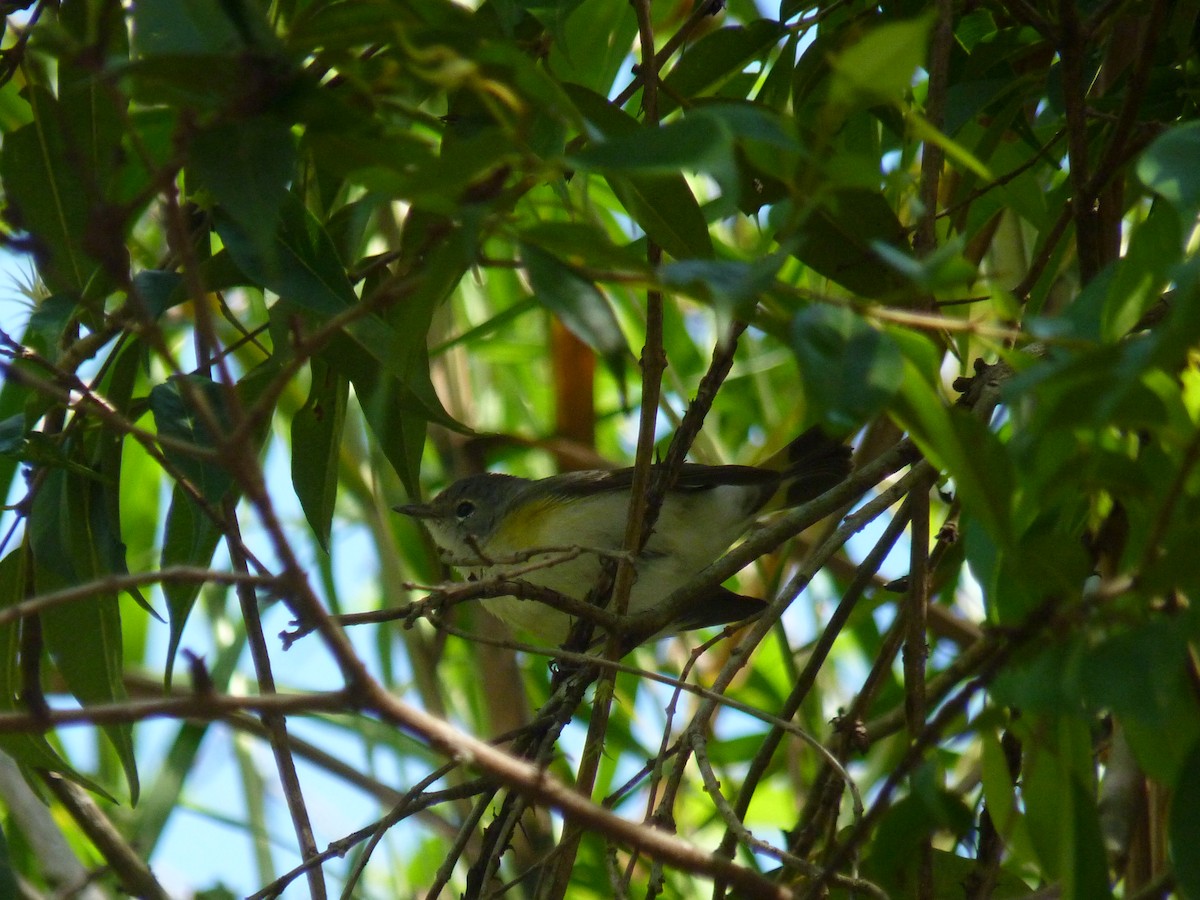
column 297, row 261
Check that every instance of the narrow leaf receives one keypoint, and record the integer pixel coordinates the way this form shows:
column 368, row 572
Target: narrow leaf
column 67, row 521
column 31, row 751
column 850, row 369
column 316, row 445
column 1185, row 825
column 666, row 209
column 47, row 195
column 578, row 303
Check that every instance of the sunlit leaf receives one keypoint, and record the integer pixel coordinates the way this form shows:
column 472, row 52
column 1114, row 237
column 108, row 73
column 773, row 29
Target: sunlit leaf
column 880, row 67
column 1167, row 168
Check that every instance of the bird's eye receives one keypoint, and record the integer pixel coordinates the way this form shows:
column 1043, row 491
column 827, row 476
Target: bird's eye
column 464, row 509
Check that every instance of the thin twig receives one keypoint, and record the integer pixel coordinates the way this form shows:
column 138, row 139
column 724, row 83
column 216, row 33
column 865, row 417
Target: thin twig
column 276, row 725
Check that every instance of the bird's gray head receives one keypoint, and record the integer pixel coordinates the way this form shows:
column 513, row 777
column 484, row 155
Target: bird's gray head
column 463, row 517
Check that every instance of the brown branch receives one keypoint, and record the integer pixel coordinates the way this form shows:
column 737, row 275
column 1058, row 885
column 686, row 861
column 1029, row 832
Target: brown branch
column 700, row 11
column 640, row 516
column 134, row 875
column 535, row 784
column 275, row 725
column 932, row 155
column 1005, row 646
column 916, row 651
column 863, row 579
column 1072, row 48
column 1135, row 91
column 199, row 706
column 112, row 584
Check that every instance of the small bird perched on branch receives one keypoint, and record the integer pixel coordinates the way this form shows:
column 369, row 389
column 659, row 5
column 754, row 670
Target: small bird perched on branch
column 555, row 532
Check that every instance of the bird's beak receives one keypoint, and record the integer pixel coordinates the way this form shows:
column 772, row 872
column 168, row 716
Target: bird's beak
column 416, row 511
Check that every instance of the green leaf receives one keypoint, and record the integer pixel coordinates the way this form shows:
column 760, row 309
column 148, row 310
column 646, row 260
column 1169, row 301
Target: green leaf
column 666, row 209
column 962, row 446
column 316, row 447
column 246, row 166
column 717, row 57
column 187, row 408
column 731, row 286
column 160, row 291
column 945, row 268
column 31, row 751
column 1168, row 167
column 47, row 194
column 584, row 244
column 302, row 267
column 92, row 122
column 68, row 529
column 578, row 303
column 1059, row 791
column 1185, row 825
column 698, row 143
column 387, row 407
column 661, row 203
column 928, row 810
column 1143, row 273
column 850, row 369
column 840, row 238
column 305, row 271
column 881, row 66
column 581, row 59
column 177, row 27
column 8, row 877
column 190, row 539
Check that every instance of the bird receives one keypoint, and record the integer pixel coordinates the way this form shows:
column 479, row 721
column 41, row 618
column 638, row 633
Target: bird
column 492, row 525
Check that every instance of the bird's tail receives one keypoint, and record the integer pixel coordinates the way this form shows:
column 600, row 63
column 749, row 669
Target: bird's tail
column 811, row 464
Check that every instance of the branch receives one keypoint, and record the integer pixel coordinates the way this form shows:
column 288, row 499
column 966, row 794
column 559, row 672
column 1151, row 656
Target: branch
column 275, row 725
column 134, row 875
column 536, row 785
column 199, row 706
column 112, row 584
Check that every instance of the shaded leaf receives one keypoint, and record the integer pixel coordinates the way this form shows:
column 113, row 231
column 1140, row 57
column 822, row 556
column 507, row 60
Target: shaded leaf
column 179, row 27
column 316, row 447
column 578, row 303
column 666, row 209
column 661, row 203
column 1185, row 824
column 191, row 536
column 697, row 143
column 839, row 240
column 189, row 408
column 190, row 539
column 47, row 194
column 68, row 528
column 716, row 57
column 850, row 369
column 1168, row 167
column 247, row 167
column 31, row 751
column 304, row 269
column 731, row 286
